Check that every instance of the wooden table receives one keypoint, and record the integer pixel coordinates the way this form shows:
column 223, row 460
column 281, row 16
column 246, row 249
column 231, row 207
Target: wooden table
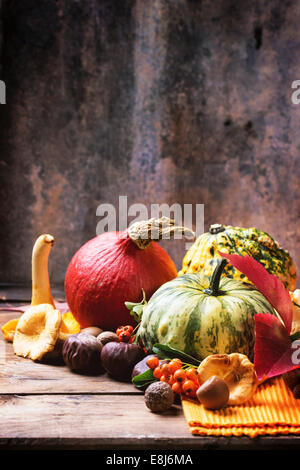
column 49, row 407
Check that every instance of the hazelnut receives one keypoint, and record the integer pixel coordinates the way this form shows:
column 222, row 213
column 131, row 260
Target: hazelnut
column 159, row 397
column 107, row 337
column 92, row 330
column 213, row 393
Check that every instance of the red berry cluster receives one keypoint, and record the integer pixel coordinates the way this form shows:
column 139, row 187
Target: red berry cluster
column 125, row 335
column 182, row 380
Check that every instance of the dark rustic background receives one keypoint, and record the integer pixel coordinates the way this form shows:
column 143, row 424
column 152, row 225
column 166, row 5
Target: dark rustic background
column 183, row 101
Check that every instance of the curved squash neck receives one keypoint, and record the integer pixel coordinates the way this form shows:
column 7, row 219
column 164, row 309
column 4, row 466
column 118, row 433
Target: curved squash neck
column 41, row 291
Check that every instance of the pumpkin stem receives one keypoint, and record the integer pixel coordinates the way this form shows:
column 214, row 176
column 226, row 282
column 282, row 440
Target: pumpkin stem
column 144, row 232
column 215, row 279
column 216, row 228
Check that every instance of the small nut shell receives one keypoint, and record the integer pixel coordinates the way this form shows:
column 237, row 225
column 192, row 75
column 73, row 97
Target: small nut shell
column 107, row 337
column 92, row 330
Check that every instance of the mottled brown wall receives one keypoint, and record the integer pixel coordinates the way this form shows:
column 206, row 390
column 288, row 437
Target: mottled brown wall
column 162, row 100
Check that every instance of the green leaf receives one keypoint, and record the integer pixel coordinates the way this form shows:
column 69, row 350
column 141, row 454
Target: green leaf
column 166, row 352
column 144, row 379
column 136, row 308
column 130, row 305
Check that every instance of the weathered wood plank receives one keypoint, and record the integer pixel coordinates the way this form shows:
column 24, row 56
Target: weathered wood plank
column 106, row 422
column 87, row 416
column 46, row 406
column 23, row 376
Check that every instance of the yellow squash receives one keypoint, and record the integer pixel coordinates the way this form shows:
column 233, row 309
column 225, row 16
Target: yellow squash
column 203, row 255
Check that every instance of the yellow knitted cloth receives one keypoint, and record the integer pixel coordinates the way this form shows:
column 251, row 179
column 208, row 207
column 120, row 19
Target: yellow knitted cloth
column 272, row 410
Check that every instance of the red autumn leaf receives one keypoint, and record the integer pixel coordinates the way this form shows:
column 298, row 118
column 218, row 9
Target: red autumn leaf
column 268, row 284
column 273, row 347
column 274, row 353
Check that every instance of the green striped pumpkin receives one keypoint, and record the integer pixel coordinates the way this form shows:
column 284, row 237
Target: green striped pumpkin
column 203, row 316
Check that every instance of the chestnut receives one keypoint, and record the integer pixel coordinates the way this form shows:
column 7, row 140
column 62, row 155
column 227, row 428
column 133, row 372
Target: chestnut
column 213, row 393
column 82, row 353
column 119, row 359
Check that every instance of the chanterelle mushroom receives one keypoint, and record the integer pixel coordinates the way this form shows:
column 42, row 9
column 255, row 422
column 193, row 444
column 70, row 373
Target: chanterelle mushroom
column 295, row 298
column 237, row 371
column 37, row 331
column 41, row 295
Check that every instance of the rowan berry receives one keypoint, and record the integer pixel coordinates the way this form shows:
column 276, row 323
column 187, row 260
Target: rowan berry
column 128, row 328
column 171, row 380
column 174, row 365
column 153, row 362
column 124, row 336
column 157, row 373
column 189, row 388
column 165, row 369
column 176, row 387
column 119, row 330
column 180, row 375
column 192, row 374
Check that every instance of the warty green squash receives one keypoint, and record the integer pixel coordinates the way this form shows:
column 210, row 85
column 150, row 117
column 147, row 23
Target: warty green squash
column 202, row 316
column 203, row 255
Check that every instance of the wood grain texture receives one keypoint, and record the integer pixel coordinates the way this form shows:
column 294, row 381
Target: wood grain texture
column 48, row 407
column 41, row 405
column 102, row 422
column 98, row 416
column 23, row 376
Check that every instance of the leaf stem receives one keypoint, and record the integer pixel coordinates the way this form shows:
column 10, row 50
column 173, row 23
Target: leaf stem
column 137, row 326
column 295, row 336
column 187, row 366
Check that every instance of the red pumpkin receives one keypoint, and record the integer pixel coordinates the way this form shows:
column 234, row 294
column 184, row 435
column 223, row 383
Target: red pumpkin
column 110, row 269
